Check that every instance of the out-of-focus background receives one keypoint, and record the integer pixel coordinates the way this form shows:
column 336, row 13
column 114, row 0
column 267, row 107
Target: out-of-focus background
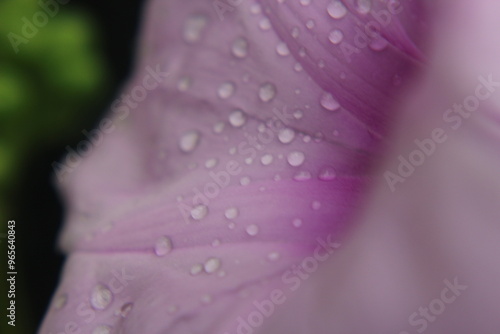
column 62, row 62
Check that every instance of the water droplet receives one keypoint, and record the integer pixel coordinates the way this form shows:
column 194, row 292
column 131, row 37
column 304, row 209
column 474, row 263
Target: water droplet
column 286, row 135
column 184, row 84
column 265, row 24
column 199, row 212
column 237, row 118
column 216, row 243
column 336, row 36
column 60, row 301
column 125, row 310
column 245, row 181
column 295, row 32
column 297, row 222
column 196, row 269
column 316, row 205
column 211, row 163
column 321, row 63
column 297, row 67
column 189, row 140
column 101, row 297
column 302, row 52
column 267, row 92
column 231, row 213
column 172, row 309
column 240, row 47
column 226, row 90
column 102, row 329
column 194, row 27
column 296, row 158
column 212, row 265
column 163, row 246
column 206, row 299
column 305, row 2
column 329, row 103
column 310, row 24
column 282, row 49
column 327, row 174
column 266, row 159
column 298, row 114
column 273, row 256
column 336, row 9
column 302, row 176
column 255, row 8
column 364, row 6
column 218, row 127
column 379, row 44
column 252, row 230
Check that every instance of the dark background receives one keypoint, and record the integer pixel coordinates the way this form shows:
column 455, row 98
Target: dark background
column 37, row 207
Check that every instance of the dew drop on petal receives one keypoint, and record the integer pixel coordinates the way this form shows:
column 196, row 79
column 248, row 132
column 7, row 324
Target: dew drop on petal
column 196, row 269
column 193, row 28
column 218, row 127
column 316, row 205
column 327, row 174
column 231, row 213
column 363, row 6
column 199, row 212
column 125, row 310
column 295, row 158
column 252, row 230
column 305, row 2
column 184, row 84
column 282, row 49
column 310, row 24
column 297, row 67
column 295, row 32
column 328, row 102
column 189, row 140
column 266, row 159
column 216, row 243
column 239, row 47
column 298, row 114
column 102, row 329
column 211, row 163
column 265, row 24
column 237, row 118
column 206, row 299
column 163, row 246
column 297, row 222
column 101, row 297
column 245, row 181
column 212, row 265
column 336, row 9
column 379, row 44
column 336, row 36
column 273, row 256
column 226, row 90
column 286, row 135
column 302, row 176
column 267, row 92
column 60, row 301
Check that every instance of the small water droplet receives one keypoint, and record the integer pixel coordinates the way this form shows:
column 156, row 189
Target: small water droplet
column 297, row 67
column 298, row 114
column 328, row 102
column 364, row 6
column 245, row 181
column 184, row 84
column 255, row 8
column 101, row 297
column 218, row 127
column 252, row 230
column 199, row 212
column 310, row 24
column 231, row 213
column 216, row 243
column 237, row 118
column 302, row 176
column 60, row 301
column 267, row 92
column 265, row 24
column 336, row 9
column 212, row 265
column 316, row 205
column 327, row 174
column 379, row 44
column 296, row 158
column 193, row 28
column 266, row 159
column 286, row 135
column 305, row 2
column 240, row 47
column 297, row 222
column 282, row 49
column 172, row 309
column 163, row 246
column 211, row 163
column 226, row 90
column 102, row 329
column 336, row 36
column 295, row 32
column 206, row 299
column 196, row 269
column 189, row 140
column 125, row 310
column 321, row 63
